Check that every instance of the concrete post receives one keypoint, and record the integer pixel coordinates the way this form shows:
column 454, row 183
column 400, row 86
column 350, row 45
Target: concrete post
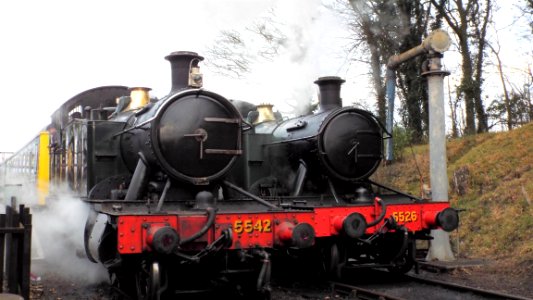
column 440, row 245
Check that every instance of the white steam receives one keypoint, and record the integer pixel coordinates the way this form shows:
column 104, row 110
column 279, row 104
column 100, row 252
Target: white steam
column 58, row 228
column 17, row 186
column 302, row 50
column 58, row 231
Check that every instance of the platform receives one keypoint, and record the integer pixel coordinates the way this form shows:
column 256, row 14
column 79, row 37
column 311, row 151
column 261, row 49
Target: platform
column 5, row 296
column 446, row 266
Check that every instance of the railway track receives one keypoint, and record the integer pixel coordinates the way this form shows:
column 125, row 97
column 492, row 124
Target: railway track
column 414, row 287
column 357, row 292
column 387, row 287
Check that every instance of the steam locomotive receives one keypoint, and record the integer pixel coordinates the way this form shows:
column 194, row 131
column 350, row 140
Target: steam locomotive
column 194, row 192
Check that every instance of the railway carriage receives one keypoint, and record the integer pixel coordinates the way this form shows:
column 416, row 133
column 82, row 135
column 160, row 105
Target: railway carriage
column 26, row 173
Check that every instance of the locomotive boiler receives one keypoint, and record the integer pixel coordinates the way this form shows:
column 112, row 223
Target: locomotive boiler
column 334, row 147
column 196, row 193
column 343, row 143
column 191, row 135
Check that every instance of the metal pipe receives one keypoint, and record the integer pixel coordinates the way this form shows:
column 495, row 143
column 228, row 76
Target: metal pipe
column 405, row 243
column 263, row 280
column 238, row 189
column 381, row 215
column 333, row 192
column 163, row 196
column 390, row 85
column 138, row 181
column 300, row 179
column 211, row 214
column 396, row 60
column 437, row 42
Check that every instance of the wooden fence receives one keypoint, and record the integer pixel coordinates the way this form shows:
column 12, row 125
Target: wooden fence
column 15, row 250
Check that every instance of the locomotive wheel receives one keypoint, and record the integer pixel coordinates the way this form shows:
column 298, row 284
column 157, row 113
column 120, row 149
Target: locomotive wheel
column 148, row 282
column 405, row 262
column 333, row 261
column 249, row 291
column 122, row 285
column 264, row 295
column 402, row 265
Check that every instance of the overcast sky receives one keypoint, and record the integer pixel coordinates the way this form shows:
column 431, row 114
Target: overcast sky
column 52, row 50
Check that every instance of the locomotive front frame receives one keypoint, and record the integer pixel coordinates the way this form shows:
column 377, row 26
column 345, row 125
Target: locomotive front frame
column 269, row 229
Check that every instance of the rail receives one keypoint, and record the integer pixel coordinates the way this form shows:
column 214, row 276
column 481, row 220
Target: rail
column 15, row 250
column 359, row 292
column 490, row 294
column 408, row 286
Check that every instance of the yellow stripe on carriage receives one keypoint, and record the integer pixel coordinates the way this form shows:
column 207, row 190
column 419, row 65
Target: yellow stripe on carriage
column 43, row 167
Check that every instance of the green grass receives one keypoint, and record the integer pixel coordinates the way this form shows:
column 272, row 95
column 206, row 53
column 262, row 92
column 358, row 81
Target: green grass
column 497, row 219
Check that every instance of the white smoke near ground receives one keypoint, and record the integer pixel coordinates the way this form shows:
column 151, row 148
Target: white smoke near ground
column 58, row 247
column 57, row 230
column 20, row 188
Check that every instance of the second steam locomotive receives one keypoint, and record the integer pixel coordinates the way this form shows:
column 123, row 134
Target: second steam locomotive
column 194, row 192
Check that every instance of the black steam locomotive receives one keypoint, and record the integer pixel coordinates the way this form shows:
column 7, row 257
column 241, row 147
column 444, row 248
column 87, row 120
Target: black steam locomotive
column 194, row 192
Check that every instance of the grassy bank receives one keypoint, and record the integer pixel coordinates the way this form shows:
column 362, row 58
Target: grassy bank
column 491, row 177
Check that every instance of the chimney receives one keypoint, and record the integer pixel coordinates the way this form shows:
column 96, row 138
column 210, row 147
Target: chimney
column 330, row 92
column 185, row 70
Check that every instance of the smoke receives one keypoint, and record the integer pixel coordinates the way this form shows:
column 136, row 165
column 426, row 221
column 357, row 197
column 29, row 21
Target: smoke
column 58, row 241
column 280, row 54
column 291, row 72
column 58, row 228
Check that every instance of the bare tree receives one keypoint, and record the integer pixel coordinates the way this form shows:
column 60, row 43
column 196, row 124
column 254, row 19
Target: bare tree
column 381, row 29
column 469, row 20
column 507, row 100
column 454, row 105
column 528, row 86
column 412, row 85
column 233, row 52
column 376, row 30
column 231, row 57
column 521, row 101
column 528, row 11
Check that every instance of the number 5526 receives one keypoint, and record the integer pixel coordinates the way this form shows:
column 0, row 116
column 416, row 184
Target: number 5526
column 405, row 216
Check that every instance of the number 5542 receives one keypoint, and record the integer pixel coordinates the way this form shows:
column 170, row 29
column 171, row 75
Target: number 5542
column 249, row 226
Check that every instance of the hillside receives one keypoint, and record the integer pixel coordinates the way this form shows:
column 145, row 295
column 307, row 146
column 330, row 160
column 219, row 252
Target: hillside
column 491, row 178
